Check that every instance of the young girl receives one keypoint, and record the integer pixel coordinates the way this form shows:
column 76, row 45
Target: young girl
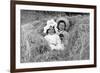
column 53, row 39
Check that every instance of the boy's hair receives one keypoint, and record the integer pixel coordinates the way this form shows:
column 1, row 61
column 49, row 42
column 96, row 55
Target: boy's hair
column 61, row 21
column 49, row 29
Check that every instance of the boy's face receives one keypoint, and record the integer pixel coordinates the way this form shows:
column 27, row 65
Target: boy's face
column 51, row 30
column 61, row 26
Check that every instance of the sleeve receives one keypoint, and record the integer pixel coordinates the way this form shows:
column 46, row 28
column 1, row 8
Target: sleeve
column 46, row 39
column 58, row 41
column 66, row 35
column 59, row 45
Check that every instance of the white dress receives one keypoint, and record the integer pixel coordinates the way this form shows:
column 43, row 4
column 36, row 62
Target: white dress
column 54, row 42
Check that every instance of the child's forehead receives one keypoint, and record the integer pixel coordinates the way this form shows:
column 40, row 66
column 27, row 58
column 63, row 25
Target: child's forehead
column 62, row 23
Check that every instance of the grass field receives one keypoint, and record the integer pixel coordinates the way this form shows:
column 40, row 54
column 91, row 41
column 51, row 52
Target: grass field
column 34, row 47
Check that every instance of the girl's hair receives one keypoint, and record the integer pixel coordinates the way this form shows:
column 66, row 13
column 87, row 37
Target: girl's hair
column 61, row 21
column 49, row 29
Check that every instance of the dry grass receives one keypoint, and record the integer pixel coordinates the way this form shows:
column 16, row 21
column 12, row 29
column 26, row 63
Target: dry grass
column 34, row 48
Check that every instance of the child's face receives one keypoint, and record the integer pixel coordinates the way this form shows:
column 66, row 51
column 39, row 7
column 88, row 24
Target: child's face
column 61, row 26
column 51, row 30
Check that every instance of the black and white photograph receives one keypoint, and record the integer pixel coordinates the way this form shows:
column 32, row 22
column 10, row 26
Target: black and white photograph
column 53, row 36
column 47, row 36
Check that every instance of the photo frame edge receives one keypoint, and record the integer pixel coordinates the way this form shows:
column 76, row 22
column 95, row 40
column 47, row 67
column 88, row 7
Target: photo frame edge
column 13, row 36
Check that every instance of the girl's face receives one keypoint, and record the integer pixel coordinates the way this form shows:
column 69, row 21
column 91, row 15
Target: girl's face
column 61, row 26
column 51, row 30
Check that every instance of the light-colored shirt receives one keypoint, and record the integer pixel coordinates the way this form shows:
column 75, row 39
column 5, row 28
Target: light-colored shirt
column 66, row 34
column 54, row 42
column 66, row 37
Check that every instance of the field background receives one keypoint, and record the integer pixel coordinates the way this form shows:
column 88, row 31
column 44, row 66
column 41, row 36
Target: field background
column 34, row 48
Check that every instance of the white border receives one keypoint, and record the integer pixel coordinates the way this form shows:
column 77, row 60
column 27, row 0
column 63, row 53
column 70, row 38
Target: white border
column 51, row 64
